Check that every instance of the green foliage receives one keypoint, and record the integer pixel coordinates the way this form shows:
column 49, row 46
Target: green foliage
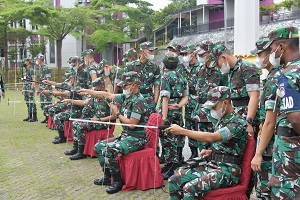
column 265, row 10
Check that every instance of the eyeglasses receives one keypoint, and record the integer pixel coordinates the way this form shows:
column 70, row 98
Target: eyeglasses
column 127, row 85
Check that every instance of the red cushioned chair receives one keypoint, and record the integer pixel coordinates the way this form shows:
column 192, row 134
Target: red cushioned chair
column 237, row 192
column 50, row 122
column 68, row 130
column 92, row 137
column 141, row 170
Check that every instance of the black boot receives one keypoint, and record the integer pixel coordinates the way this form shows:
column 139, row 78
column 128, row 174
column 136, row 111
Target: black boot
column 45, row 120
column 170, row 170
column 74, row 150
column 106, row 180
column 116, row 185
column 33, row 118
column 180, row 156
column 26, row 119
column 79, row 154
column 61, row 138
column 194, row 151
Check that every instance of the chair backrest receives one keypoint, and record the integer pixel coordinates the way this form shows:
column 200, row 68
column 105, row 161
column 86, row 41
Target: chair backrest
column 152, row 133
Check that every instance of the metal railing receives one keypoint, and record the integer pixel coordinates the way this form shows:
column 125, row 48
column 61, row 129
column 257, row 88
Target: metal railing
column 275, row 17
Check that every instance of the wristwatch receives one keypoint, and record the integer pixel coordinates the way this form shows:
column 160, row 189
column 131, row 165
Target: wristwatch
column 249, row 120
column 117, row 115
column 164, row 119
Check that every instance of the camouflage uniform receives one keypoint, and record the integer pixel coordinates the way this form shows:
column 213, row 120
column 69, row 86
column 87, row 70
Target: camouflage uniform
column 45, row 72
column 191, row 183
column 149, row 74
column 285, row 178
column 29, row 97
column 174, row 87
column 115, row 74
column 92, row 68
column 191, row 74
column 130, row 140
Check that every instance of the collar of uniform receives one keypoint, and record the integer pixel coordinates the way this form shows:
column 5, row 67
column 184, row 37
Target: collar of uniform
column 237, row 64
column 227, row 118
column 274, row 69
column 195, row 64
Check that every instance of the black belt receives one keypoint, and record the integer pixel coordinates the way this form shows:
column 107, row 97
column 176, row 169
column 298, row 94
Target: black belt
column 267, row 158
column 171, row 97
column 226, row 158
column 146, row 91
column 286, row 131
column 240, row 102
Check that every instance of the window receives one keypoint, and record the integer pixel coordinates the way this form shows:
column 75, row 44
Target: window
column 52, row 51
column 216, row 10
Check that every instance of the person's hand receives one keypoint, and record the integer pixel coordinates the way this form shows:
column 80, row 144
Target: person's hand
column 174, row 106
column 114, row 108
column 162, row 122
column 22, row 92
column 81, row 93
column 82, row 90
column 204, row 153
column 256, row 163
column 175, row 129
column 44, row 81
column 3, row 95
column 66, row 101
column 250, row 129
column 110, row 140
column 44, row 92
column 95, row 119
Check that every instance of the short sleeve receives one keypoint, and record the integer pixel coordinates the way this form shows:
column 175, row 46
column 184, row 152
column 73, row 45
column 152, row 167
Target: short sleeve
column 251, row 77
column 231, row 130
column 138, row 109
column 120, row 98
column 165, row 90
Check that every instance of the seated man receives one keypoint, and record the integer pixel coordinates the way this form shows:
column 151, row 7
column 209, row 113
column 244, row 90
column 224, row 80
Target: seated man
column 132, row 111
column 95, row 109
column 228, row 146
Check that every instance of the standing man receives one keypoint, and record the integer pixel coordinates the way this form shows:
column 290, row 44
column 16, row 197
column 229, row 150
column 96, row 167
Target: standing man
column 191, row 73
column 2, row 91
column 92, row 66
column 149, row 74
column 132, row 111
column 262, row 161
column 28, row 89
column 113, row 75
column 285, row 180
column 129, row 56
column 45, row 74
column 244, row 83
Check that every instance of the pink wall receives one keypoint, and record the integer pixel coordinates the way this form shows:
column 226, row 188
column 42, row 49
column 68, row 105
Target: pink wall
column 216, row 2
column 57, row 3
column 216, row 14
column 266, row 2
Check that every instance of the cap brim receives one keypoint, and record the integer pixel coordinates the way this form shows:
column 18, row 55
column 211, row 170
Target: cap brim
column 256, row 51
column 268, row 44
column 201, row 51
column 152, row 48
column 210, row 104
column 121, row 84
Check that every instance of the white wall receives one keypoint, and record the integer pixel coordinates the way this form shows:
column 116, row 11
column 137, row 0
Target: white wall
column 200, row 2
column 200, row 15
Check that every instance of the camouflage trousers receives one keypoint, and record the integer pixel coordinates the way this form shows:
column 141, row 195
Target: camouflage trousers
column 79, row 128
column 187, row 183
column 60, row 118
column 170, row 142
column 262, row 188
column 45, row 98
column 30, row 102
column 285, row 180
column 55, row 108
column 124, row 144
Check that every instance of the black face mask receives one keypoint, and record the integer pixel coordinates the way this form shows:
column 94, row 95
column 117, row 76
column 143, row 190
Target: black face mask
column 171, row 65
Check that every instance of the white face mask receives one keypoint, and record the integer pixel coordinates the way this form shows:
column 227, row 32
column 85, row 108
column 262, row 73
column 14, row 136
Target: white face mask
column 202, row 59
column 149, row 57
column 127, row 92
column 37, row 62
column 107, row 72
column 86, row 62
column 225, row 68
column 217, row 114
column 259, row 62
column 275, row 61
column 186, row 59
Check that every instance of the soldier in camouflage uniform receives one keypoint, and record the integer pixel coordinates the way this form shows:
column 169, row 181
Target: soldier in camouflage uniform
column 28, row 89
column 228, row 146
column 149, row 74
column 45, row 74
column 129, row 56
column 81, row 71
column 176, row 48
column 92, row 66
column 174, row 94
column 208, row 78
column 191, row 73
column 284, row 95
column 244, row 83
column 98, row 111
column 262, row 161
column 132, row 111
column 113, row 75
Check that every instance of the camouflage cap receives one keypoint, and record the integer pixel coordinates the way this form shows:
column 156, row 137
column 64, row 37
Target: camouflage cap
column 40, row 56
column 103, row 62
column 98, row 81
column 215, row 53
column 131, row 53
column 215, row 95
column 69, row 61
column 86, row 52
column 175, row 46
column 70, row 73
column 260, row 46
column 147, row 45
column 129, row 77
column 170, row 57
column 74, row 60
column 205, row 46
column 188, row 48
column 282, row 33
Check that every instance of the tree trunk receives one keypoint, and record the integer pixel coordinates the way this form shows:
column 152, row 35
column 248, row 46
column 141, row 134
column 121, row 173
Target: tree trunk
column 58, row 56
column 5, row 38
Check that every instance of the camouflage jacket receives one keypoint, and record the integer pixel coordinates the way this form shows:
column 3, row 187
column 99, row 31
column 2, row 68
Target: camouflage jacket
column 92, row 69
column 45, row 72
column 173, row 86
column 83, row 78
column 133, row 107
column 115, row 75
column 75, row 96
column 28, row 75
